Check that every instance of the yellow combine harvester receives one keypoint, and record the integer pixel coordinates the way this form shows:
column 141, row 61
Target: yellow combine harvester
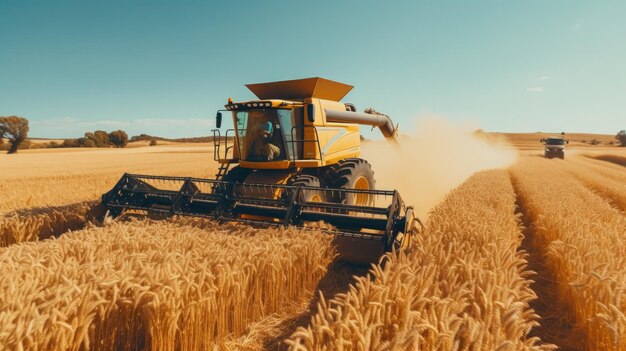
column 292, row 158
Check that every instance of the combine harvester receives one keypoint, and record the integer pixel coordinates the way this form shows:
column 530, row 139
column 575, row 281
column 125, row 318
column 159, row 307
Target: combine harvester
column 292, row 158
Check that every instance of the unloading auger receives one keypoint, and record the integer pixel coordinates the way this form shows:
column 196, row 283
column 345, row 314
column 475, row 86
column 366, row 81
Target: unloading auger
column 292, row 158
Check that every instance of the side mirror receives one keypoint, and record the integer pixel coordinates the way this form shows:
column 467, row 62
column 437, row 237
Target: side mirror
column 543, row 140
column 567, row 141
column 218, row 120
column 310, row 111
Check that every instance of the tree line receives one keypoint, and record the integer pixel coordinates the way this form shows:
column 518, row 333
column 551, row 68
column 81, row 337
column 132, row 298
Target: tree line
column 99, row 138
column 15, row 130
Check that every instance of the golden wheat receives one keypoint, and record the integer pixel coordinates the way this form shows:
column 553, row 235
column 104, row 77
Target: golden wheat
column 608, row 183
column 190, row 284
column 159, row 286
column 42, row 223
column 55, row 179
column 584, row 240
column 463, row 285
column 608, row 169
column 617, row 159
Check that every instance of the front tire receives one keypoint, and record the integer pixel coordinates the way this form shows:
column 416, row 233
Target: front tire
column 353, row 173
column 308, row 195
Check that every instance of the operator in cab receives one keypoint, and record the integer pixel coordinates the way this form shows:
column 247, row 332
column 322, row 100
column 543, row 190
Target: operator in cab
column 262, row 149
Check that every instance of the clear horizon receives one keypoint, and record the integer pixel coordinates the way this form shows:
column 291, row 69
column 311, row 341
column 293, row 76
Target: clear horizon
column 164, row 68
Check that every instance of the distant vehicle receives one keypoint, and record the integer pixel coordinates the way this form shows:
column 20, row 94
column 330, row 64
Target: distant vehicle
column 555, row 146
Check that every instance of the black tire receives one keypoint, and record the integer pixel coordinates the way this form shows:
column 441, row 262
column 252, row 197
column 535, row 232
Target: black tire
column 352, row 173
column 308, row 195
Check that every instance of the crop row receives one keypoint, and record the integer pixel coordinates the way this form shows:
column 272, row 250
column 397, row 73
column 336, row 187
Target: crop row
column 583, row 238
column 462, row 286
column 153, row 285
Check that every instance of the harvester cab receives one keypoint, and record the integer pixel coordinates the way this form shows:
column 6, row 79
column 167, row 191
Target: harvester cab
column 555, row 146
column 290, row 158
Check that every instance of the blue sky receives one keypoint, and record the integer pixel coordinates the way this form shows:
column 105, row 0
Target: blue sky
column 163, row 68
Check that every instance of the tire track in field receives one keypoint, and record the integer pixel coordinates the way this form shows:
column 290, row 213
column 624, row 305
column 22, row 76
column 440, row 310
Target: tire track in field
column 337, row 280
column 553, row 322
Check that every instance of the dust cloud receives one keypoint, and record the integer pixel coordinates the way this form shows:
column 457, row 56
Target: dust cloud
column 433, row 159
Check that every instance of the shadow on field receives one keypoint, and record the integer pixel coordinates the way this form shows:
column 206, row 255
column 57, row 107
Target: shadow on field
column 337, row 280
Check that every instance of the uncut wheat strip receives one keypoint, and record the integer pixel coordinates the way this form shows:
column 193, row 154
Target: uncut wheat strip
column 43, row 223
column 125, row 258
column 35, row 313
column 229, row 304
column 583, row 237
column 616, row 159
column 461, row 286
column 602, row 182
column 586, row 238
column 607, row 169
column 483, row 210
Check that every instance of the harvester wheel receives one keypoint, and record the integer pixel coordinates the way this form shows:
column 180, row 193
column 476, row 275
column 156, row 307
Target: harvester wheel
column 353, row 173
column 308, row 195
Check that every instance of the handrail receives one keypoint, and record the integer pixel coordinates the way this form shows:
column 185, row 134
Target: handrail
column 303, row 141
column 217, row 144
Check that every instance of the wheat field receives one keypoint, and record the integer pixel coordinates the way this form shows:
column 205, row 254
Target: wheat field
column 48, row 178
column 463, row 286
column 153, row 286
column 583, row 237
column 525, row 258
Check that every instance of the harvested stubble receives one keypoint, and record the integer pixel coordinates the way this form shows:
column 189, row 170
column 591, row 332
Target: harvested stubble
column 146, row 285
column 42, row 223
column 462, row 286
column 584, row 239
